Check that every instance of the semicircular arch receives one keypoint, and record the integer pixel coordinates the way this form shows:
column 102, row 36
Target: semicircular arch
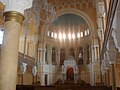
column 70, row 11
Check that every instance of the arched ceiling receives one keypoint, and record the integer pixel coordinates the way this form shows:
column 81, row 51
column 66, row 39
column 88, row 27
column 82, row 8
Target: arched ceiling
column 69, row 23
column 69, row 18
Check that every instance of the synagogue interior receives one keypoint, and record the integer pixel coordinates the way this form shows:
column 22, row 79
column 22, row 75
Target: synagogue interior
column 59, row 45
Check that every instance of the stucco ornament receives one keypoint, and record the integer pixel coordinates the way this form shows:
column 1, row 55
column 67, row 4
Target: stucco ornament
column 17, row 5
column 23, row 67
column 34, row 70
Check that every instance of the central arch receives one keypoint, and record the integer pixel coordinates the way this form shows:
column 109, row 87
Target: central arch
column 70, row 74
column 70, row 11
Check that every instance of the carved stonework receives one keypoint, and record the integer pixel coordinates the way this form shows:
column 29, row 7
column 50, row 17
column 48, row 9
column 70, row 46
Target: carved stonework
column 78, row 4
column 17, row 5
column 101, row 7
column 70, row 62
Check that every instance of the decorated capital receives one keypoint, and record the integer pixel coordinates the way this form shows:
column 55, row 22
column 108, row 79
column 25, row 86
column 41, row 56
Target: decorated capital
column 14, row 9
column 17, row 5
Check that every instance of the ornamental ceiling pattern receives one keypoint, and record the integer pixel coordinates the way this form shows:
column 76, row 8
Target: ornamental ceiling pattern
column 78, row 4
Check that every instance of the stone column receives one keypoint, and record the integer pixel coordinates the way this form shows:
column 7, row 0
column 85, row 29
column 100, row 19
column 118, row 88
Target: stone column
column 58, row 58
column 36, row 47
column 96, row 52
column 113, row 77
column 40, row 55
column 13, row 15
column 93, row 54
column 50, row 55
column 111, row 53
column 108, row 77
column 105, row 78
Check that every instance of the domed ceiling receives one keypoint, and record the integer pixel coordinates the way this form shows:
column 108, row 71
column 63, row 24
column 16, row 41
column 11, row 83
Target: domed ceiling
column 69, row 25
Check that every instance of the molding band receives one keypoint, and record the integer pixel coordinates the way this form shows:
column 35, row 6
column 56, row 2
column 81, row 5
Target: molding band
column 14, row 16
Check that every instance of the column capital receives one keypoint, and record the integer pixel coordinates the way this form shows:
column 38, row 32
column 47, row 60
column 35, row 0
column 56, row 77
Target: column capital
column 17, row 5
column 14, row 16
column 101, row 7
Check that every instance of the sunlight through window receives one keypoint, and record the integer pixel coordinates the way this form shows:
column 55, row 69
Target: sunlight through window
column 60, row 36
column 69, row 36
column 78, row 35
column 64, row 36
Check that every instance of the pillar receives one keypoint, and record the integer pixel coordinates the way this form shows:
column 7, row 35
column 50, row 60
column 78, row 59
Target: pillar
column 50, row 55
column 36, row 47
column 108, row 77
column 111, row 52
column 113, row 77
column 96, row 52
column 58, row 57
column 40, row 55
column 13, row 15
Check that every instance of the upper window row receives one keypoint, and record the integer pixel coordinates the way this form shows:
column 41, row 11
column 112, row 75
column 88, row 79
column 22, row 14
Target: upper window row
column 68, row 35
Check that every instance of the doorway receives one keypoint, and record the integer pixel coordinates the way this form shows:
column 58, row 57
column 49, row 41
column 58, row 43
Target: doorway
column 46, row 77
column 70, row 74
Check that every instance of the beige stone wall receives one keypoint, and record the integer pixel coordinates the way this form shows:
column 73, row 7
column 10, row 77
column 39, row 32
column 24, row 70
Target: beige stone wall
column 27, row 77
column 30, row 46
column 117, row 74
column 30, row 42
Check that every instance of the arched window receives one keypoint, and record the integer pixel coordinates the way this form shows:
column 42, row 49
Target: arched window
column 52, row 34
column 81, row 34
column 85, row 33
column 46, row 55
column 80, row 56
column 48, row 33
column 62, row 56
column 88, row 55
column 71, row 52
column 53, row 56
